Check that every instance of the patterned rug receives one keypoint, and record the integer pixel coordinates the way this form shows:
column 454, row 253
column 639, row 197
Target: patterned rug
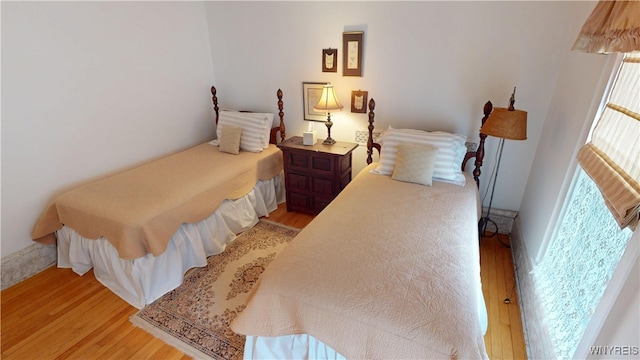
column 195, row 317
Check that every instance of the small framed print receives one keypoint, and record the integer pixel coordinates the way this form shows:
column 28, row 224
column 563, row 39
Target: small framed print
column 311, row 94
column 352, row 50
column 329, row 60
column 359, row 101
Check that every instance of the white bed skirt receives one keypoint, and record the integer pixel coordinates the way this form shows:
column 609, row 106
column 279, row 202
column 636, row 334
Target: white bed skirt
column 143, row 280
column 301, row 346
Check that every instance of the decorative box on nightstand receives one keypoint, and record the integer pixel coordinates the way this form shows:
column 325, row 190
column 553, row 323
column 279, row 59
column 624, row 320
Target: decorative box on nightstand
column 314, row 174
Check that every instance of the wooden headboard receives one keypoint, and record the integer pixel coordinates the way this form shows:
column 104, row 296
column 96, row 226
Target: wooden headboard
column 273, row 137
column 478, row 154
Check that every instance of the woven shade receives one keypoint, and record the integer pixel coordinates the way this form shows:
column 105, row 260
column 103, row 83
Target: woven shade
column 612, row 157
column 613, row 26
column 506, row 124
column 328, row 100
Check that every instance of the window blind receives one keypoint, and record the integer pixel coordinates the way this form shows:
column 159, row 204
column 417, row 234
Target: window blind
column 612, row 157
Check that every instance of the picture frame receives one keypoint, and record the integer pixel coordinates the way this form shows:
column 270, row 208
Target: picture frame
column 359, row 101
column 329, row 60
column 311, row 93
column 352, row 47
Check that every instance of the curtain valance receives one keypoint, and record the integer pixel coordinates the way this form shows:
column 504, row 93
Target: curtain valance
column 613, row 26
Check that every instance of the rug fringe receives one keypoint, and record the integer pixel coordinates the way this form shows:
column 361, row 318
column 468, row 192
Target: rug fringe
column 159, row 334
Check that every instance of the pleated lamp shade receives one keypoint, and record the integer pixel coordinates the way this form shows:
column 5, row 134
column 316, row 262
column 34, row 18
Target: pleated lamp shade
column 328, row 100
column 506, row 124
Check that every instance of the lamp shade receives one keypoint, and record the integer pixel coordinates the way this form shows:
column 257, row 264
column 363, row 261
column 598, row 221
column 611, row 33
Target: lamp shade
column 506, row 124
column 328, row 100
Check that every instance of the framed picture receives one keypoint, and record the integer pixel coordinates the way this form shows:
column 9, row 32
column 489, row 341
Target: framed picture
column 352, row 50
column 329, row 60
column 311, row 93
column 359, row 101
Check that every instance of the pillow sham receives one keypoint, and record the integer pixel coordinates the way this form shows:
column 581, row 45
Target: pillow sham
column 230, row 139
column 451, row 151
column 256, row 128
column 415, row 163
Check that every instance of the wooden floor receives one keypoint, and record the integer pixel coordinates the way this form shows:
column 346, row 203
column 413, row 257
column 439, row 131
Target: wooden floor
column 57, row 314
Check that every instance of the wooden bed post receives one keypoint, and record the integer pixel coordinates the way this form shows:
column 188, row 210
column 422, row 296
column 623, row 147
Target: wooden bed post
column 281, row 115
column 214, row 99
column 370, row 143
column 488, row 107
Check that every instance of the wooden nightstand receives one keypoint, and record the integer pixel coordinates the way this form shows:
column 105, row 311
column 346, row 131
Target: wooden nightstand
column 315, row 174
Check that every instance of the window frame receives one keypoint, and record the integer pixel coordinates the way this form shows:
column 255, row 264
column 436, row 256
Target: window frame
column 599, row 101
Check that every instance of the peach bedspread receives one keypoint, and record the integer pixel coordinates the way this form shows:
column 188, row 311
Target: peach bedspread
column 387, row 270
column 138, row 210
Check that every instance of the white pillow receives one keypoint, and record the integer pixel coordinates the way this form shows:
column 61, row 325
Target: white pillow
column 415, row 163
column 256, row 128
column 451, row 151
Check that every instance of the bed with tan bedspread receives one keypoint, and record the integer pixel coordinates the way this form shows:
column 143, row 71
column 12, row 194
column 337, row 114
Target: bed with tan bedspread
column 138, row 210
column 388, row 270
column 143, row 228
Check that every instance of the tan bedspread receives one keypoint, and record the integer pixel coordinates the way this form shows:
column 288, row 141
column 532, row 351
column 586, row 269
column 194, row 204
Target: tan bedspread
column 138, row 210
column 388, row 270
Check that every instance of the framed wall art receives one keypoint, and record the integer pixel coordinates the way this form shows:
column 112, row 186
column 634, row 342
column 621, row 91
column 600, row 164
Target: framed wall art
column 329, row 60
column 352, row 53
column 359, row 101
column 311, row 93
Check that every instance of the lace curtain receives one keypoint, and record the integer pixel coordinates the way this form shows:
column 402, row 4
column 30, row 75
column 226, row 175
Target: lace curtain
column 578, row 264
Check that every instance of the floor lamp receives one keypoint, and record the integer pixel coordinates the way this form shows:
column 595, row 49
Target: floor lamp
column 508, row 124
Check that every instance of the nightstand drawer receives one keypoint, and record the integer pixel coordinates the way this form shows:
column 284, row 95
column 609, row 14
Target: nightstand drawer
column 299, row 202
column 322, row 186
column 308, row 161
column 297, row 160
column 320, row 203
column 297, row 182
column 322, row 164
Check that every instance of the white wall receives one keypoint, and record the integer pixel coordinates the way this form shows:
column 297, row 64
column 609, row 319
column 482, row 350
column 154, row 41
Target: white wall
column 430, row 65
column 89, row 88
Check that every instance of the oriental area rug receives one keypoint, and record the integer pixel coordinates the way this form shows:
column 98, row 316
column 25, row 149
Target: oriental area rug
column 195, row 317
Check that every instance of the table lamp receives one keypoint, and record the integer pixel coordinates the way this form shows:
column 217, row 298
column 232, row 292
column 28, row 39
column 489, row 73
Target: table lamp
column 328, row 101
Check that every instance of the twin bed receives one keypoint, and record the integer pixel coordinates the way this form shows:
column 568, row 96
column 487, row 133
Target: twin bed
column 142, row 229
column 389, row 269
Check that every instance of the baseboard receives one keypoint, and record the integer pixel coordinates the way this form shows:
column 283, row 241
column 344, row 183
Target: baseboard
column 536, row 337
column 25, row 263
column 503, row 218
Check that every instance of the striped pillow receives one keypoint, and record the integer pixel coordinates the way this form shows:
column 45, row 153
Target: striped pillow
column 256, row 128
column 451, row 151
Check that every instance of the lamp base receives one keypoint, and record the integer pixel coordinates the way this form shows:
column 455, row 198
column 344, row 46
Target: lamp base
column 328, row 140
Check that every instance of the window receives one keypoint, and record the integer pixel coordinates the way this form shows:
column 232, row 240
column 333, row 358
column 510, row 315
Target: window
column 590, row 238
column 578, row 264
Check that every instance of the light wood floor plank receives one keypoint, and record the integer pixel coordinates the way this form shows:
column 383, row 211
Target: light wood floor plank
column 57, row 314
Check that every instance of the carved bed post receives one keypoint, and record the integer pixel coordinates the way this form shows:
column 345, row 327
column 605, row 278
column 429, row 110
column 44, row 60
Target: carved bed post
column 370, row 145
column 214, row 99
column 281, row 115
column 488, row 107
